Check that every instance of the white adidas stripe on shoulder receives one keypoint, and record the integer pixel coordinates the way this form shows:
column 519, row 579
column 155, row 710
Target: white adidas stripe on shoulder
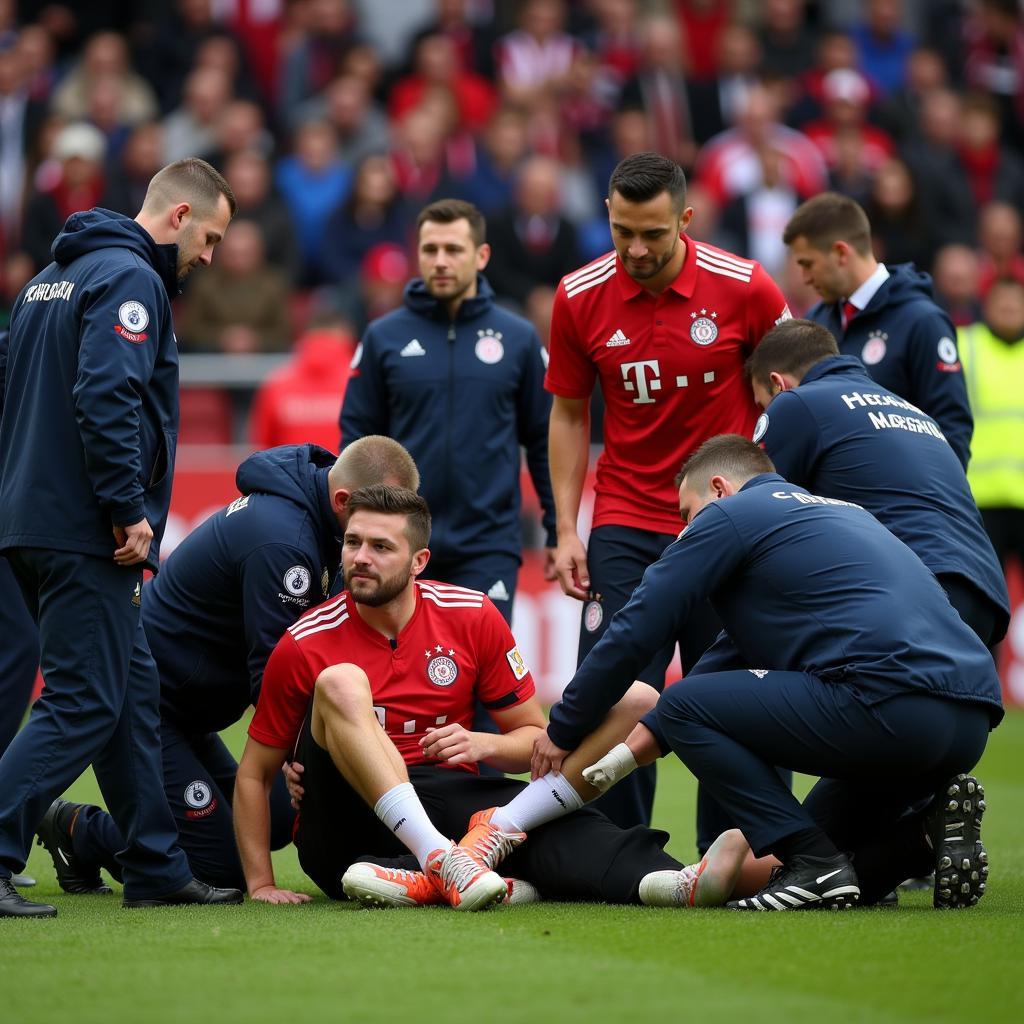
column 330, row 624
column 331, row 610
column 725, row 258
column 716, row 269
column 599, row 264
column 448, row 588
column 605, row 275
column 441, row 603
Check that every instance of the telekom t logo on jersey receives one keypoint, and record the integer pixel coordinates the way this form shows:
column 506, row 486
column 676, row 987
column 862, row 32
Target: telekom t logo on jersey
column 644, row 376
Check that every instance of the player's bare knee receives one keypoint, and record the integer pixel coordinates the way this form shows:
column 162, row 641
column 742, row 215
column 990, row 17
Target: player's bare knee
column 637, row 701
column 341, row 691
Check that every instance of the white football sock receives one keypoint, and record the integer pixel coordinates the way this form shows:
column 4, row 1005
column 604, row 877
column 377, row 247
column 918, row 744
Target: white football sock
column 400, row 809
column 543, row 800
column 614, row 766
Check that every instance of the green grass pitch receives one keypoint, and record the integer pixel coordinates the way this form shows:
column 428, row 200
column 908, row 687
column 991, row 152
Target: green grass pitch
column 546, row 962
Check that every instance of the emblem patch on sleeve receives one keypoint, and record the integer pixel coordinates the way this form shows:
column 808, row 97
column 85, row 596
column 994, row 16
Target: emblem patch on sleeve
column 133, row 321
column 516, row 663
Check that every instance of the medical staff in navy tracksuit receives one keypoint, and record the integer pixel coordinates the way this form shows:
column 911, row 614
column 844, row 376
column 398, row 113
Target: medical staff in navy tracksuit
column 834, row 430
column 232, row 587
column 87, row 445
column 841, row 657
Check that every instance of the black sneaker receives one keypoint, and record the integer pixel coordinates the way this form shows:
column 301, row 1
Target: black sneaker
column 807, row 883
column 54, row 834
column 13, row 904
column 953, row 830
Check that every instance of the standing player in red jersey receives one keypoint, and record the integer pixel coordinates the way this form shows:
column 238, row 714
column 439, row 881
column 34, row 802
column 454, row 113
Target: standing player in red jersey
column 377, row 687
column 666, row 324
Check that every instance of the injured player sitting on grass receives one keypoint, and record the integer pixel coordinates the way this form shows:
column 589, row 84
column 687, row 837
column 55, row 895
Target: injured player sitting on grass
column 378, row 688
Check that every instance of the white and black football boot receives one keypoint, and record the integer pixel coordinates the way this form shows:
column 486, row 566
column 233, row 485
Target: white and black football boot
column 807, row 883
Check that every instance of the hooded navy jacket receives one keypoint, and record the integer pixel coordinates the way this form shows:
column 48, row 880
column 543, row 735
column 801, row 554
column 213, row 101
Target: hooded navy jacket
column 842, row 435
column 908, row 345
column 802, row 584
column 233, row 586
column 462, row 397
column 90, row 421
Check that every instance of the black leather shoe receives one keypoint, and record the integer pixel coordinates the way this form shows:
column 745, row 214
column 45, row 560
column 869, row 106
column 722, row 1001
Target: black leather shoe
column 73, row 874
column 195, row 892
column 13, row 904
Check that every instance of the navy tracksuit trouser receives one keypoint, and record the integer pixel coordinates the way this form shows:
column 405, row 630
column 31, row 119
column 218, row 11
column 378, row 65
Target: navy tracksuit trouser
column 878, row 762
column 199, row 780
column 19, row 656
column 99, row 707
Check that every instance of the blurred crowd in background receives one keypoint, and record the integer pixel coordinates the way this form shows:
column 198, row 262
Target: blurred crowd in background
column 335, row 121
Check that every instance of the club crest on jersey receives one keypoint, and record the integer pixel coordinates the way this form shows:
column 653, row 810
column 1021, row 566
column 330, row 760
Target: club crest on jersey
column 703, row 329
column 198, row 794
column 489, row 348
column 874, row 348
column 593, row 615
column 441, row 668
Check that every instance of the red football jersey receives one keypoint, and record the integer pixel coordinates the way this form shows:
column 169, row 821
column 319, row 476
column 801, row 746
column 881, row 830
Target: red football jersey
column 455, row 648
column 670, row 365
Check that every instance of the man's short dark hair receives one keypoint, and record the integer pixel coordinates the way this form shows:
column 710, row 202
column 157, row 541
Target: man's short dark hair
column 193, row 181
column 395, row 501
column 641, row 177
column 728, row 455
column 792, row 347
column 829, row 218
column 447, row 211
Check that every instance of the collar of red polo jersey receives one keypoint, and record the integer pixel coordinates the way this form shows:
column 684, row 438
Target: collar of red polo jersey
column 684, row 284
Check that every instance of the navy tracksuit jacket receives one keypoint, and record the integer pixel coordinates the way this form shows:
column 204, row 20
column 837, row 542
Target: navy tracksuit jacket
column 843, row 435
column 801, row 583
column 461, row 397
column 908, row 345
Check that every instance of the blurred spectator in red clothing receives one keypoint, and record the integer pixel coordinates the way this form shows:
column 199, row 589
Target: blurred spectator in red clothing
column 900, row 230
column 703, row 23
column 536, row 58
column 430, row 153
column 835, row 49
column 955, row 274
column 301, row 401
column 659, row 89
column 191, row 128
column 883, row 44
column 321, row 33
column 257, row 24
column 846, row 97
column 532, row 244
column 729, row 165
column 615, row 41
column 384, row 273
column 241, row 305
column 993, row 171
column 105, row 55
column 995, row 61
column 70, row 180
column 128, row 177
column 787, row 42
column 436, row 63
column 999, row 238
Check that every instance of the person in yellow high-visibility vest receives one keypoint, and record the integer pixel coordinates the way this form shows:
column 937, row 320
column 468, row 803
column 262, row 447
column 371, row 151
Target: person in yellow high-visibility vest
column 992, row 352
